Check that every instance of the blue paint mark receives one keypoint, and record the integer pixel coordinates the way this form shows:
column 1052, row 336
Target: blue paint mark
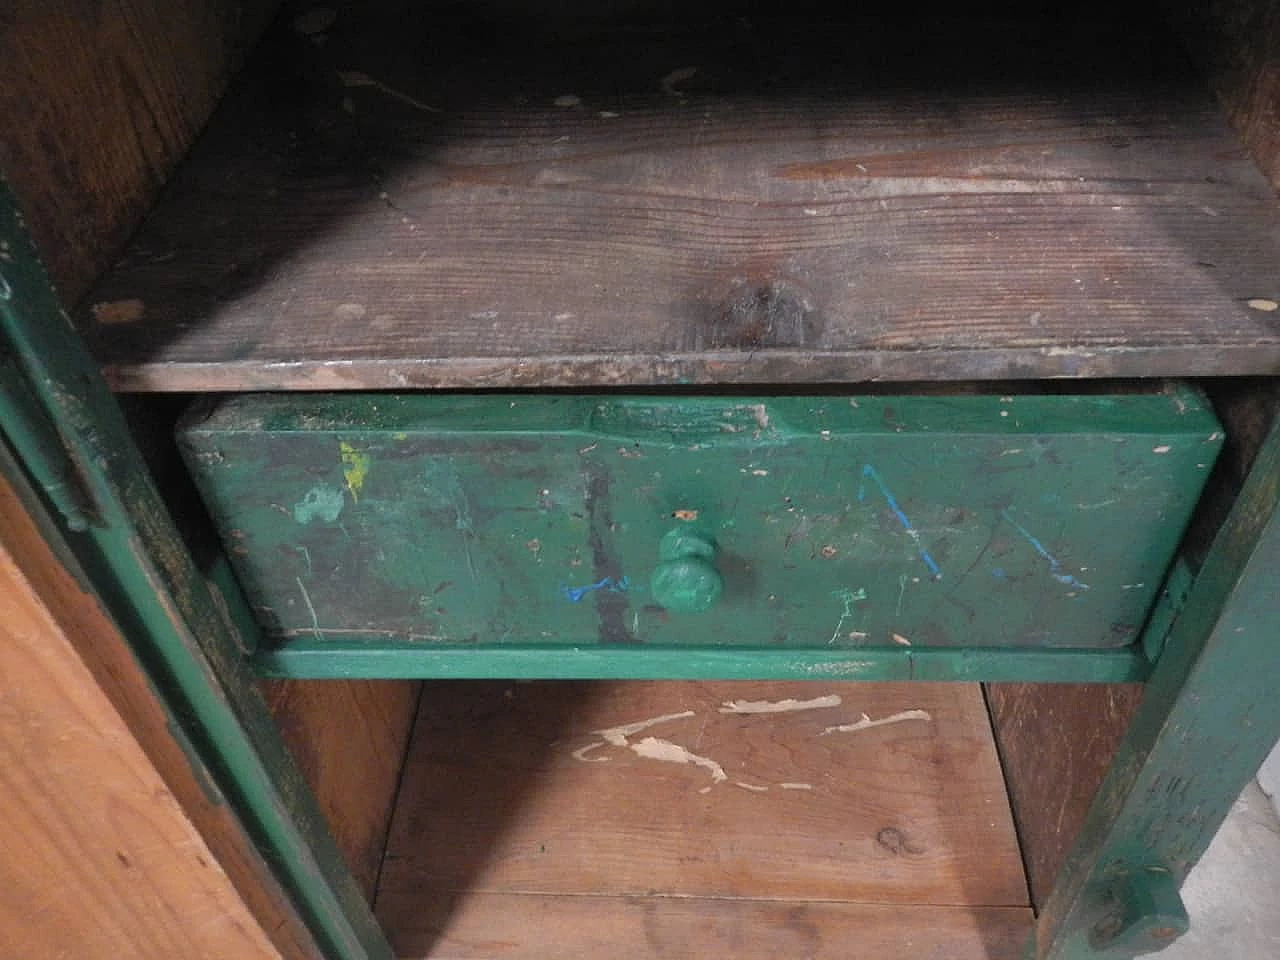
column 869, row 473
column 1055, row 568
column 998, row 573
column 575, row 594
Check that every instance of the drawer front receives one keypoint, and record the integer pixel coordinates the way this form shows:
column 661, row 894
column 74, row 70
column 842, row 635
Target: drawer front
column 805, row 522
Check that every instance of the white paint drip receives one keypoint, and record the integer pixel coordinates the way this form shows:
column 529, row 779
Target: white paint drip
column 779, row 706
column 618, row 735
column 679, row 75
column 581, row 753
column 651, row 748
column 354, row 78
column 796, row 786
column 866, row 723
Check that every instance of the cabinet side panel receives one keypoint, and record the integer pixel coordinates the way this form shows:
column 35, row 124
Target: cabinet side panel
column 1237, row 44
column 112, row 847
column 349, row 738
column 1056, row 742
column 100, row 100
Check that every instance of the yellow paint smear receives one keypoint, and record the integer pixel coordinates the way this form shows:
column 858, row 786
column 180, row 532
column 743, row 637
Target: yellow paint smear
column 355, row 468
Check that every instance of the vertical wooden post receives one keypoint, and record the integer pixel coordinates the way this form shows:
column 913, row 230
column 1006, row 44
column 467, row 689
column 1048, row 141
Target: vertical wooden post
column 1209, row 717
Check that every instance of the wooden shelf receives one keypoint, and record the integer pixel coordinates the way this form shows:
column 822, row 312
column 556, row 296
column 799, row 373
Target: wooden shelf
column 424, row 197
column 514, row 837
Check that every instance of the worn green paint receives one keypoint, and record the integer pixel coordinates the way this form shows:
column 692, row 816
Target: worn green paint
column 352, row 658
column 1144, row 912
column 839, row 524
column 136, row 562
column 1209, row 717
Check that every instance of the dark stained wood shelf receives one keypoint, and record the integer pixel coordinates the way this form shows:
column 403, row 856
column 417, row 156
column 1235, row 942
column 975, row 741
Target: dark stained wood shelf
column 426, row 196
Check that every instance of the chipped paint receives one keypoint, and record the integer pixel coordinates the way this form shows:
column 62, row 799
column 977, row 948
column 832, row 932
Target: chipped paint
column 618, row 735
column 355, row 468
column 795, row 786
column 321, row 503
column 866, row 723
column 901, row 640
column 652, row 748
column 780, row 706
column 753, row 787
column 870, row 473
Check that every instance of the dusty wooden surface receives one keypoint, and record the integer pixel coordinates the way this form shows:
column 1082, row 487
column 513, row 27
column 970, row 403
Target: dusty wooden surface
column 349, row 737
column 111, row 847
column 100, row 102
column 504, row 793
column 738, row 199
column 500, row 926
column 1056, row 743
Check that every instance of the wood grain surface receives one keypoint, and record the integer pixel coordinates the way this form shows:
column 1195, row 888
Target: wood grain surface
column 349, row 737
column 1056, row 743
column 111, row 846
column 101, row 100
column 501, row 926
column 464, row 198
column 504, row 793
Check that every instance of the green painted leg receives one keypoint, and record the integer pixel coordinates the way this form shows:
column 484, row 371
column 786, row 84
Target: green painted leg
column 1210, row 716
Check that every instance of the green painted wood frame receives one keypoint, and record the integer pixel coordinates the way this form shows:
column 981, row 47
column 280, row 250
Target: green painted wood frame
column 72, row 440
column 1208, row 719
column 1206, row 723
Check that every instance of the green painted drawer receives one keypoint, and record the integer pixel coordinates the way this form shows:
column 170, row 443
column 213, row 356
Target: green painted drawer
column 537, row 531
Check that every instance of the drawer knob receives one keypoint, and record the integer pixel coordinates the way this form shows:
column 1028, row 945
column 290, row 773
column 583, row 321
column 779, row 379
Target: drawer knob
column 686, row 580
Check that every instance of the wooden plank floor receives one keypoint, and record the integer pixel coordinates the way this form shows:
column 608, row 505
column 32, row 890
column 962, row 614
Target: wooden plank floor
column 414, row 196
column 677, row 819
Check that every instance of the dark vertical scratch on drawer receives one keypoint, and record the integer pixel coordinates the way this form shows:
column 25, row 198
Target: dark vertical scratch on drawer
column 611, row 606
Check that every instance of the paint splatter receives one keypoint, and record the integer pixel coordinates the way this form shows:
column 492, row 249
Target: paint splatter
column 866, row 723
column 848, row 598
column 119, row 311
column 1055, row 568
column 355, row 468
column 581, row 753
column 677, row 76
column 609, row 584
column 618, row 735
column 306, row 598
column 780, row 706
column 869, row 473
column 651, row 748
column 320, row 503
